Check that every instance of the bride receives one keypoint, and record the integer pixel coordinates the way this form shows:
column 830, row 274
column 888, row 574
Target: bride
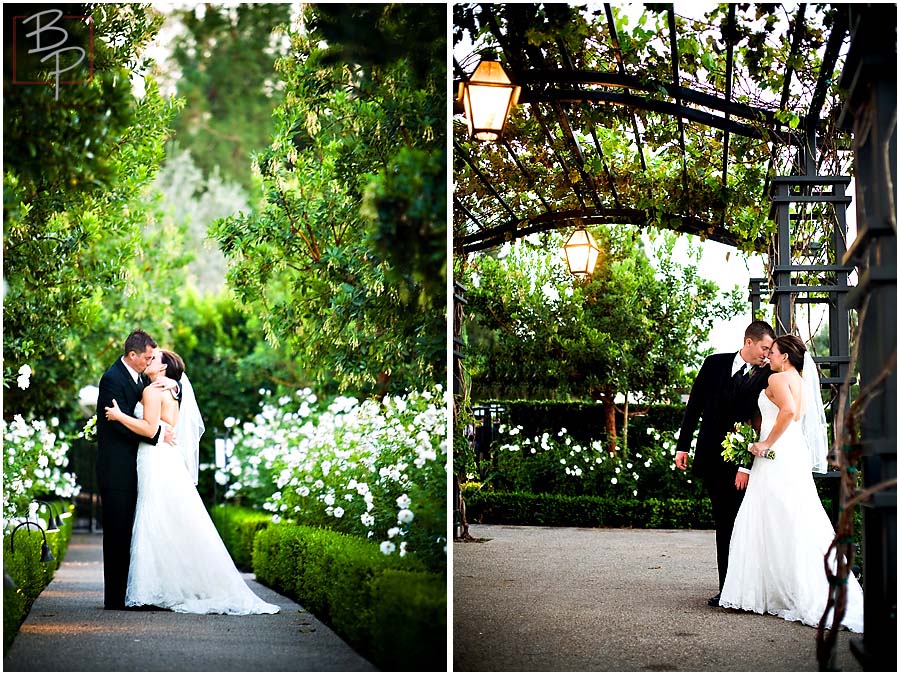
column 782, row 532
column 178, row 560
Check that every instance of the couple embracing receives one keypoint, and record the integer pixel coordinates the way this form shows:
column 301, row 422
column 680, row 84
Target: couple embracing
column 772, row 532
column 160, row 547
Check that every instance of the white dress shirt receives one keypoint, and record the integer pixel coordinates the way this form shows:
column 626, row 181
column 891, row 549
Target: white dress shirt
column 131, row 371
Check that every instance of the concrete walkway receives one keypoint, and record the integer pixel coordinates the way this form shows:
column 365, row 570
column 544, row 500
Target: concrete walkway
column 579, row 599
column 68, row 630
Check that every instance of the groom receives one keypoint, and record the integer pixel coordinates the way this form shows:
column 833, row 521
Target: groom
column 117, row 462
column 725, row 393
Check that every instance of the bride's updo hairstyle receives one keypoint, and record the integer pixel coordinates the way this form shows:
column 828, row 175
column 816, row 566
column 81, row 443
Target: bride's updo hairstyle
column 174, row 364
column 793, row 347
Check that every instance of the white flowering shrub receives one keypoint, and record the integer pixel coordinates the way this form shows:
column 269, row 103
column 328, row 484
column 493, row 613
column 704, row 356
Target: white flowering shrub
column 555, row 463
column 34, row 460
column 374, row 470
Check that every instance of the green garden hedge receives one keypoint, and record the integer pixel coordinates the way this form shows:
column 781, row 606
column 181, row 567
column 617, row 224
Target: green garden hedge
column 523, row 508
column 389, row 608
column 238, row 526
column 28, row 574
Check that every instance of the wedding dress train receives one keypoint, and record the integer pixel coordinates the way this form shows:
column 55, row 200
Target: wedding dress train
column 780, row 537
column 178, row 560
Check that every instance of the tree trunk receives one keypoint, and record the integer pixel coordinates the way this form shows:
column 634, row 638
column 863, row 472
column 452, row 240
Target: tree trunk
column 609, row 414
column 461, row 505
column 625, row 426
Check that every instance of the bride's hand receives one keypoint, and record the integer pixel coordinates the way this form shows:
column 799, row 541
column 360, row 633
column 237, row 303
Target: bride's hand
column 113, row 412
column 758, row 449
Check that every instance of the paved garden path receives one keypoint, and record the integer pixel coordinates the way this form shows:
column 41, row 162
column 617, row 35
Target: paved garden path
column 579, row 599
column 68, row 630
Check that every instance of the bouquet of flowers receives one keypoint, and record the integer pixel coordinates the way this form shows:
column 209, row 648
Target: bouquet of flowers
column 737, row 445
column 89, row 431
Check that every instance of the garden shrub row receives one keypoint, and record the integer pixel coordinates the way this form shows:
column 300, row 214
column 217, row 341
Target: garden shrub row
column 523, row 508
column 238, row 526
column 391, row 609
column 583, row 420
column 28, row 574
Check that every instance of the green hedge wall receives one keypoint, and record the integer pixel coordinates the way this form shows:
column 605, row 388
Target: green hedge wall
column 523, row 508
column 28, row 574
column 238, row 526
column 389, row 608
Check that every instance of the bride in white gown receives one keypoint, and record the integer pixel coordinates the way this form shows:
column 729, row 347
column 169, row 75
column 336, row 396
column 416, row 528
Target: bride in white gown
column 178, row 560
column 782, row 532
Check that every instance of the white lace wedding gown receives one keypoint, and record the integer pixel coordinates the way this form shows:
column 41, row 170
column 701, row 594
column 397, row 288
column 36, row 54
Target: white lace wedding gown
column 178, row 560
column 781, row 533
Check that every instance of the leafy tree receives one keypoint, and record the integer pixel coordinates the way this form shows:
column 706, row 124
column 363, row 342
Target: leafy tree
column 225, row 63
column 80, row 267
column 631, row 329
column 346, row 259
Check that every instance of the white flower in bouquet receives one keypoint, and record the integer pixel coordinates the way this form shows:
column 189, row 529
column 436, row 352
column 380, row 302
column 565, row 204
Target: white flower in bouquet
column 736, row 445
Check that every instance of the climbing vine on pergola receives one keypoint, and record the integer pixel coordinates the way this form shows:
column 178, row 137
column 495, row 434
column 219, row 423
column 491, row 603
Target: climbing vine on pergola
column 651, row 118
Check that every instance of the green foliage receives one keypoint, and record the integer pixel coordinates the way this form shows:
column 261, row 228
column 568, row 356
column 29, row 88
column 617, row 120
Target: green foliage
column 225, row 57
column 555, row 462
column 524, row 508
column 347, row 583
column 229, row 362
column 409, row 621
column 29, row 576
column 80, row 269
column 365, row 468
column 345, row 259
column 35, row 458
column 238, row 527
column 664, row 186
column 631, row 329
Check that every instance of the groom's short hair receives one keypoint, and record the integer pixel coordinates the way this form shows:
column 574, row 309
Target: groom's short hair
column 138, row 342
column 757, row 330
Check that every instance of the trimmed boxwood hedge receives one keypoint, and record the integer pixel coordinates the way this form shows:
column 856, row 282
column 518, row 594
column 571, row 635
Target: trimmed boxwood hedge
column 28, row 574
column 388, row 608
column 238, row 526
column 523, row 508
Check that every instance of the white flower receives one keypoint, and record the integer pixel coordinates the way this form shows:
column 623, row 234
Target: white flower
column 402, row 548
column 405, row 516
column 221, row 478
column 339, row 512
column 614, row 480
column 387, row 547
column 393, row 532
column 303, row 491
column 230, row 422
column 24, row 378
column 403, row 501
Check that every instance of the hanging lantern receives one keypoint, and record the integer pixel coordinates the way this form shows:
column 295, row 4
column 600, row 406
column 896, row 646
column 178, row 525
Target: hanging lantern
column 582, row 253
column 488, row 98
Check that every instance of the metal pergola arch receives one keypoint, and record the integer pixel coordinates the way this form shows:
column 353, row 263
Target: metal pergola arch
column 565, row 89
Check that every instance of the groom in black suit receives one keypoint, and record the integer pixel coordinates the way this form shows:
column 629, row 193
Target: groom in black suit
column 116, row 462
column 725, row 393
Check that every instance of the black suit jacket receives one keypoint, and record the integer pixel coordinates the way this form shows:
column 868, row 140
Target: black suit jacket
column 117, row 445
column 721, row 403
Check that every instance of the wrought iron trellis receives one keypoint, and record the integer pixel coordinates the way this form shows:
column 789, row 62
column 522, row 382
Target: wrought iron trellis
column 557, row 85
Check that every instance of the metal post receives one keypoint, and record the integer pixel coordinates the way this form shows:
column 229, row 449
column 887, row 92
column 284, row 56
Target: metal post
column 870, row 78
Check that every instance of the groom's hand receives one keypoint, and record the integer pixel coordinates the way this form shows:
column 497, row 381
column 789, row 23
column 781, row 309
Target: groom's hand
column 741, row 480
column 681, row 460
